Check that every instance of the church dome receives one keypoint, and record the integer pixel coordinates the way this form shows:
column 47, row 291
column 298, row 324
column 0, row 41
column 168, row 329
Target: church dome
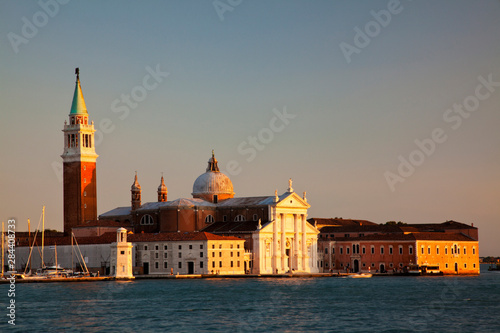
column 213, row 183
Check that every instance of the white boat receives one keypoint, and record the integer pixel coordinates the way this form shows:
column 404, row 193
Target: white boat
column 361, row 276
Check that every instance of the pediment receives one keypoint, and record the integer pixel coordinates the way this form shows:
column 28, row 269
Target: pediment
column 292, row 200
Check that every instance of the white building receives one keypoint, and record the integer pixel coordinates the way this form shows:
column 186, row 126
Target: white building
column 121, row 256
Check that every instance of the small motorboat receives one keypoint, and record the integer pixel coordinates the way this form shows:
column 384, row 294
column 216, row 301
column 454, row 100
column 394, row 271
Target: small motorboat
column 361, row 276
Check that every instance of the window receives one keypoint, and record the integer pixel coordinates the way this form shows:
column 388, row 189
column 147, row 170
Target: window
column 165, row 264
column 446, row 265
column 220, row 254
column 239, row 218
column 201, row 247
column 373, row 249
column 180, row 264
column 341, row 250
column 474, row 265
column 346, row 235
column 165, row 247
column 213, row 254
column 410, row 249
column 381, row 249
column 156, row 247
column 238, row 262
column 390, row 249
column 231, row 264
column 391, row 265
column 465, row 250
column 428, row 250
column 190, row 247
column 180, row 247
column 255, row 217
column 145, row 247
column 373, row 265
column 465, row 265
column 422, row 249
column 437, row 249
column 231, row 253
column 216, row 198
column 156, row 255
column 231, row 246
column 446, row 250
column 326, row 250
column 165, row 255
column 213, row 246
column 224, row 218
column 201, row 254
column 209, row 219
column 220, row 263
column 238, row 253
column 84, row 193
column 147, row 220
column 347, row 249
column 180, row 254
column 473, row 250
column 220, row 246
column 333, row 250
column 400, row 249
column 156, row 265
column 201, row 264
column 122, row 252
column 363, row 249
column 213, row 264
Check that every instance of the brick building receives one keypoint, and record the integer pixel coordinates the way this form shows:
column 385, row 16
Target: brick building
column 451, row 245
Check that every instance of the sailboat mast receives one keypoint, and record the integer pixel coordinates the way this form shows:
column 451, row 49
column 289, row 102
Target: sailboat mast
column 2, row 248
column 29, row 241
column 55, row 250
column 43, row 231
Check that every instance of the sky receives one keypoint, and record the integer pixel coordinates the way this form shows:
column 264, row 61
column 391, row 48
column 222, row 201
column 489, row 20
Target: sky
column 380, row 110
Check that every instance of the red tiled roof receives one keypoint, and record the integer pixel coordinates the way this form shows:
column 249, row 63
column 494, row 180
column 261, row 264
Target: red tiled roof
column 177, row 236
column 434, row 236
column 441, row 226
column 236, row 227
column 362, row 228
column 338, row 222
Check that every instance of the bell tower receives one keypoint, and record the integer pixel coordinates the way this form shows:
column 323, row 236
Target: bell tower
column 79, row 164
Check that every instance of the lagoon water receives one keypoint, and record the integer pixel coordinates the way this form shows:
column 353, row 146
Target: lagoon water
column 379, row 304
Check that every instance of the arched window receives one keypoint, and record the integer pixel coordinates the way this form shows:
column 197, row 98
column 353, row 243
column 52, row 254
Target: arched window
column 147, row 220
column 209, row 219
column 239, row 218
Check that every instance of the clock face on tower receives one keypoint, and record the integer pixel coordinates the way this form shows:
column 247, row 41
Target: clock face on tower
column 79, row 164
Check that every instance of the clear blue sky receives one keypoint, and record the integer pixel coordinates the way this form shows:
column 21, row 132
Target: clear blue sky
column 353, row 119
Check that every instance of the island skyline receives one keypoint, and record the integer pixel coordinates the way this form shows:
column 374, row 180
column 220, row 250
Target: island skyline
column 167, row 84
